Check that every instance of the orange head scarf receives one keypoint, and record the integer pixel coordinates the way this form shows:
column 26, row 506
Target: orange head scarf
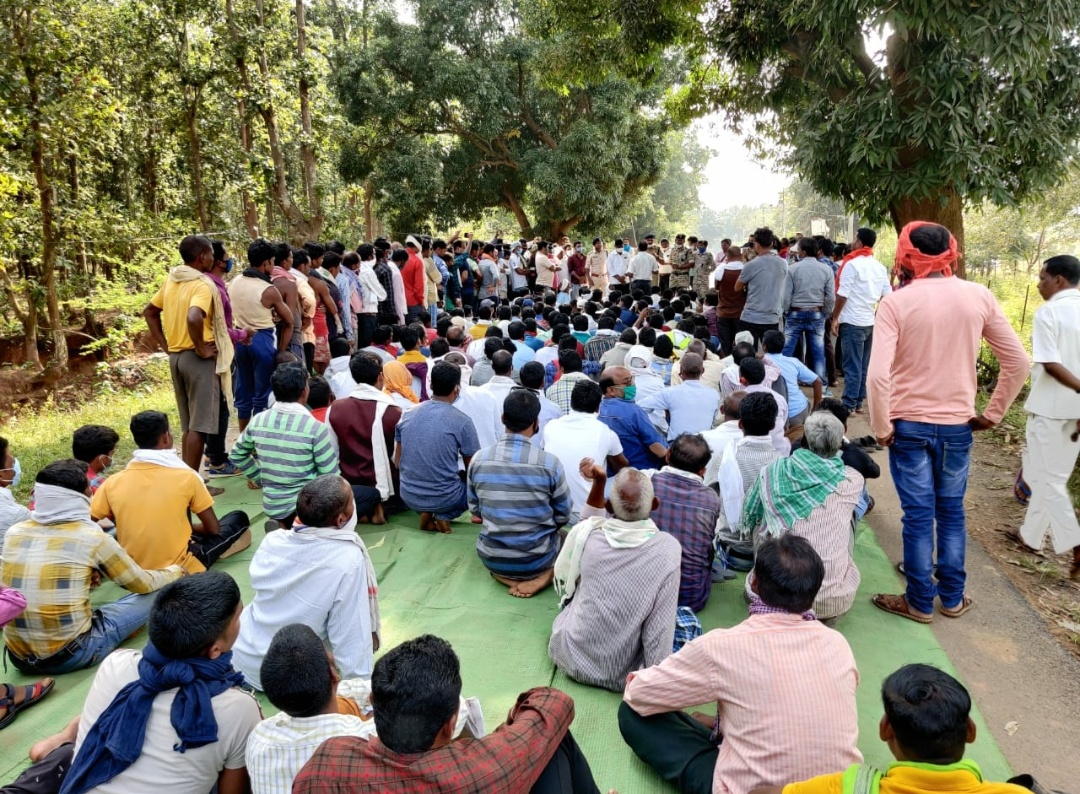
column 398, row 380
column 908, row 257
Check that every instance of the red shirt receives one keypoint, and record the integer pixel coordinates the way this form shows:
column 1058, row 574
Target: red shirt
column 415, row 281
column 510, row 760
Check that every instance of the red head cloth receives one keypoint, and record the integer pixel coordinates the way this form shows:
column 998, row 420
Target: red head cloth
column 922, row 265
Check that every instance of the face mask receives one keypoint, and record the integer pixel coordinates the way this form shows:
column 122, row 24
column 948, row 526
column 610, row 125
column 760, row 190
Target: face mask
column 229, row 263
column 577, row 248
column 626, row 248
column 701, row 250
column 368, row 262
column 108, row 460
column 629, row 392
column 350, row 524
column 17, row 468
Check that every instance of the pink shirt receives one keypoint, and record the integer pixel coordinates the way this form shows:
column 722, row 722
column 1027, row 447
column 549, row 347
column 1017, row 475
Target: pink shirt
column 926, row 343
column 785, row 692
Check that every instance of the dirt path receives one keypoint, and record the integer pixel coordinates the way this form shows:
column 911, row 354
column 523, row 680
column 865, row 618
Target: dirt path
column 1019, row 670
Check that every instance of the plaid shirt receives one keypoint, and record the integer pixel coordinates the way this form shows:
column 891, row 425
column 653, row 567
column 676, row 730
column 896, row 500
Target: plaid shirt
column 509, row 760
column 687, row 627
column 689, row 510
column 51, row 564
column 600, row 344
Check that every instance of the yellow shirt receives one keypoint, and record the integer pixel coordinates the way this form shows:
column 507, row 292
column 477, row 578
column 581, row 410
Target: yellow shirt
column 149, row 505
column 175, row 299
column 904, row 778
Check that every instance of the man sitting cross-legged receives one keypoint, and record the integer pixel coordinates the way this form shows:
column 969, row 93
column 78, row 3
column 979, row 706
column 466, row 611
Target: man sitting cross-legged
column 285, row 447
column 318, row 573
column 151, row 501
column 750, row 671
column 522, row 494
column 301, row 679
column 619, row 580
column 415, row 695
column 688, row 511
column 55, row 559
column 927, row 723
column 430, row 440
column 170, row 718
column 744, row 459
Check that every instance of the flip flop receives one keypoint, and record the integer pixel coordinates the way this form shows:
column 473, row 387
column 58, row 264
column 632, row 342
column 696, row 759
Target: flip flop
column 1021, row 490
column 966, row 603
column 898, row 605
column 35, row 691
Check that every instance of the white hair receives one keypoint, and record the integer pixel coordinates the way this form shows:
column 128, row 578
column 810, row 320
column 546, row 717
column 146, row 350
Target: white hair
column 631, row 495
column 824, row 434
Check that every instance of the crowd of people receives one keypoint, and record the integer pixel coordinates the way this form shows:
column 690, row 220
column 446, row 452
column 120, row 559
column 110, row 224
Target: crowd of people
column 631, row 428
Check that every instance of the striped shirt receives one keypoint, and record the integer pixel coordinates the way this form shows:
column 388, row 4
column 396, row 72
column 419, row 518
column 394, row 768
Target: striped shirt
column 785, row 694
column 752, row 457
column 292, row 448
column 622, row 616
column 829, row 530
column 522, row 495
column 51, row 565
column 688, row 511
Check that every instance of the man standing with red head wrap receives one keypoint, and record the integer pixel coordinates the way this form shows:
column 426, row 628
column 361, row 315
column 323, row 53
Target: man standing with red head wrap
column 921, row 392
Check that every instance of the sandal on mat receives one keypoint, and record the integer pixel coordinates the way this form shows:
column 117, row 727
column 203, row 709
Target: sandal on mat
column 965, row 605
column 31, row 695
column 898, row 605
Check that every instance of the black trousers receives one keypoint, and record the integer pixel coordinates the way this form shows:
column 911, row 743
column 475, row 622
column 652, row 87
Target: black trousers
column 567, row 772
column 46, row 776
column 365, row 329
column 758, row 330
column 366, row 498
column 215, row 444
column 675, row 745
column 208, row 549
column 726, row 328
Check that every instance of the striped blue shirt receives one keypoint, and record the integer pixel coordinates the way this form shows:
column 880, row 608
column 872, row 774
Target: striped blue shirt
column 521, row 492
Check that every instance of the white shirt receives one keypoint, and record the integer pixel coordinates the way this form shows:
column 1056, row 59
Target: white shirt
column 399, row 292
column 312, row 577
column 573, row 437
column 691, row 407
column 159, row 767
column 11, row 512
column 498, row 387
column 485, row 412
column 864, row 281
column 517, row 280
column 616, row 265
column 547, row 354
column 1055, row 339
column 642, row 266
column 718, row 440
column 371, row 289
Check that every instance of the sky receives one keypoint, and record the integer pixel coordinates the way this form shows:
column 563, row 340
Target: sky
column 734, row 176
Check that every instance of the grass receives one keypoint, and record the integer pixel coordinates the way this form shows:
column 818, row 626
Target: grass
column 40, row 435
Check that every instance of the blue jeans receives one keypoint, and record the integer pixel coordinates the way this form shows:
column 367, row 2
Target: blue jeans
column 855, row 342
column 813, row 325
column 929, row 466
column 255, row 364
column 111, row 625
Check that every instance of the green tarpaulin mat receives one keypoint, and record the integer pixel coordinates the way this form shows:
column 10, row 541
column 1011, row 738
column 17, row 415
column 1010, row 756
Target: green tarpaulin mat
column 435, row 584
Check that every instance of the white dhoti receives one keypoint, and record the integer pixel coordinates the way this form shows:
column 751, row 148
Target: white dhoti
column 1048, row 463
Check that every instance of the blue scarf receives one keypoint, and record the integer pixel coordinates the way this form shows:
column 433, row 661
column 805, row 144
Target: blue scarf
column 115, row 741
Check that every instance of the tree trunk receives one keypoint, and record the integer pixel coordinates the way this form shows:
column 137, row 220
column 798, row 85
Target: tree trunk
column 514, row 205
column 251, row 212
column 945, row 208
column 191, row 111
column 307, row 140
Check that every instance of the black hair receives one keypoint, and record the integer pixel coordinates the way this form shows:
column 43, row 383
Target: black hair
column 300, row 257
column 4, row 449
column 383, row 335
column 365, row 368
column 586, row 397
column 788, row 571
column 295, row 672
column 643, row 246
column 580, row 322
column 288, row 382
column 930, row 238
column 753, row 369
column 521, row 409
column 259, row 251
column 445, row 377
column 89, row 441
column 366, row 252
column 493, row 330
column 663, row 348
column 502, row 362
column 147, row 428
column 218, row 248
column 809, row 246
column 193, row 246
column 758, row 413
column 314, row 250
column 322, row 500
column 282, row 251
column 928, row 710
column 742, row 351
column 319, row 394
column 409, row 338
column 415, row 690
column 764, row 237
column 516, row 330
column 339, row 347
column 773, row 342
column 689, row 452
column 331, row 260
column 835, row 407
column 868, row 237
column 351, row 260
column 492, row 345
column 1066, row 266
column 399, row 256
column 569, row 360
column 190, row 614
column 532, row 375
column 70, row 474
column 439, row 347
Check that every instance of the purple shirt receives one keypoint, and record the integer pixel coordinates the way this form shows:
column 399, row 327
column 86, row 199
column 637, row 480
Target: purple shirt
column 235, row 334
column 688, row 510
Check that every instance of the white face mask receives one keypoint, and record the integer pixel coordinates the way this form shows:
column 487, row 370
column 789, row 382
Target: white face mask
column 368, row 262
column 350, row 523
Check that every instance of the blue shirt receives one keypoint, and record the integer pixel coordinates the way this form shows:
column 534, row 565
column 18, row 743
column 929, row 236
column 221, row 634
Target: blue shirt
column 523, row 354
column 635, row 431
column 535, row 342
column 432, row 436
column 794, row 372
column 691, row 407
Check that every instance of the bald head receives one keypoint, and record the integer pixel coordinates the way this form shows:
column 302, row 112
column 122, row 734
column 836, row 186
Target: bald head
column 502, row 363
column 632, row 496
column 691, row 366
column 733, row 406
column 455, row 336
column 455, row 358
column 697, row 347
column 614, row 379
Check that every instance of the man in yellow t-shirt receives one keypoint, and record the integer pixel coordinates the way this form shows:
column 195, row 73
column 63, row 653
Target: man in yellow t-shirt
column 926, row 724
column 180, row 319
column 151, row 501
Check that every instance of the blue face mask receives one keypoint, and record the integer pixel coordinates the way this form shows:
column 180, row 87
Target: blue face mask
column 229, row 265
column 626, row 248
column 17, row 468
